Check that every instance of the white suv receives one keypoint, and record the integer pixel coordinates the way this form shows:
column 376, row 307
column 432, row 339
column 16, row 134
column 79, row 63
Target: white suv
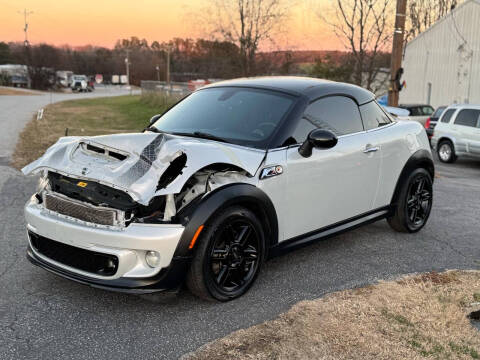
column 457, row 133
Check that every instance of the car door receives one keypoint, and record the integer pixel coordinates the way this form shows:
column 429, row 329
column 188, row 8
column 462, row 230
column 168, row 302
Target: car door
column 467, row 121
column 332, row 185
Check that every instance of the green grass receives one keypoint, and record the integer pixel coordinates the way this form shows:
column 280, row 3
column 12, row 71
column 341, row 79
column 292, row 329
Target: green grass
column 86, row 117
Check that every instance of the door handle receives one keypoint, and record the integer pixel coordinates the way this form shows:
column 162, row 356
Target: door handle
column 370, row 149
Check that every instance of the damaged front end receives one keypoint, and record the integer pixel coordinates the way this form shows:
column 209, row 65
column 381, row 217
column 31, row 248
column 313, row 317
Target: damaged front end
column 108, row 209
column 115, row 180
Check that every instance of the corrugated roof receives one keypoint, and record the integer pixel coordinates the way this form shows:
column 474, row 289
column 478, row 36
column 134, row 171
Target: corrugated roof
column 477, row 2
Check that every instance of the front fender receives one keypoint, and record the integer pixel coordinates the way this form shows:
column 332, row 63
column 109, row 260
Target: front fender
column 199, row 212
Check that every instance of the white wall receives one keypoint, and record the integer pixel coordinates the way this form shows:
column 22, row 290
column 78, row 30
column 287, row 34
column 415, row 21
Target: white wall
column 437, row 57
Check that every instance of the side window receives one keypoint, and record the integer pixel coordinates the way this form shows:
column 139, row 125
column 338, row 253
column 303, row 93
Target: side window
column 303, row 129
column 447, row 116
column 373, row 116
column 427, row 110
column 414, row 111
column 339, row 114
column 467, row 117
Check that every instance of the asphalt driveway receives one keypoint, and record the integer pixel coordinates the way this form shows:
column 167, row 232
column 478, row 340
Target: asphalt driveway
column 43, row 316
column 17, row 110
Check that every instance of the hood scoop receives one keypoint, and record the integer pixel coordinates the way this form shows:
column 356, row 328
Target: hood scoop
column 89, row 152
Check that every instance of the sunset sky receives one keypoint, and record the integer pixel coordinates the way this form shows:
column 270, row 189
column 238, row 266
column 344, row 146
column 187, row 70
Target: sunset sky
column 102, row 22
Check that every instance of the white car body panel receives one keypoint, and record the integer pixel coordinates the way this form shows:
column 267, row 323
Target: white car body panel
column 320, row 188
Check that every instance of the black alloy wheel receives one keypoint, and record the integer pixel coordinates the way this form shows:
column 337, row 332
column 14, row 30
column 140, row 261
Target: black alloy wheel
column 229, row 256
column 234, row 255
column 419, row 201
column 413, row 203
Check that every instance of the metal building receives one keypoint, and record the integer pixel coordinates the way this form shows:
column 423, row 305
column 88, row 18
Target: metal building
column 442, row 65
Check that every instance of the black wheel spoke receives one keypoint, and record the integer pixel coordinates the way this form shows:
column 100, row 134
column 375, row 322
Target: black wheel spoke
column 250, row 253
column 425, row 195
column 223, row 274
column 413, row 215
column 420, row 186
column 243, row 235
column 220, row 254
column 411, row 203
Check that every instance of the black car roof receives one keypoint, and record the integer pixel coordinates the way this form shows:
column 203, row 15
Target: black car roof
column 310, row 87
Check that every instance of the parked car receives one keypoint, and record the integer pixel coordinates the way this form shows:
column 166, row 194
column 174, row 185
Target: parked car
column 80, row 83
column 432, row 121
column 457, row 133
column 235, row 173
column 418, row 112
column 398, row 113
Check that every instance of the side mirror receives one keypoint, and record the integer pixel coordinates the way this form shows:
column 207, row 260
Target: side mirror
column 322, row 139
column 154, row 118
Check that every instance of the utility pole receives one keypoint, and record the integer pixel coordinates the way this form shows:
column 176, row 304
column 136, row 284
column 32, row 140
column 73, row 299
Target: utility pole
column 25, row 28
column 397, row 53
column 127, row 65
column 168, row 66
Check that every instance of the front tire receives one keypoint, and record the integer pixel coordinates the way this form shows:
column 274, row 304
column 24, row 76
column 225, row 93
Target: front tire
column 228, row 257
column 446, row 151
column 414, row 202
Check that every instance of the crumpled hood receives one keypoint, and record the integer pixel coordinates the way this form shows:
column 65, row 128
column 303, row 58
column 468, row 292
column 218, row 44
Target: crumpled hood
column 134, row 163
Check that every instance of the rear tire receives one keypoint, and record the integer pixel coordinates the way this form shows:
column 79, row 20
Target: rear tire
column 228, row 255
column 446, row 151
column 414, row 203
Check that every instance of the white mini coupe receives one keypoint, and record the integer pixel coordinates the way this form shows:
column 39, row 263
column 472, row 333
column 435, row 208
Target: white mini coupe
column 234, row 173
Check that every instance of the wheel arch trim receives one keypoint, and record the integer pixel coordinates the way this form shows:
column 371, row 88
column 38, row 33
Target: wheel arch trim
column 420, row 159
column 233, row 194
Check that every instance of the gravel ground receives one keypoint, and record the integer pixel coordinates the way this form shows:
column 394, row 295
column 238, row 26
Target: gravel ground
column 43, row 316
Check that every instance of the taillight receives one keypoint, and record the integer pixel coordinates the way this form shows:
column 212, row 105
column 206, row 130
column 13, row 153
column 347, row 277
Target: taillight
column 427, row 123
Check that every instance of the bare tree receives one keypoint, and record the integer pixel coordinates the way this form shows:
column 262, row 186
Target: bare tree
column 364, row 27
column 422, row 14
column 247, row 23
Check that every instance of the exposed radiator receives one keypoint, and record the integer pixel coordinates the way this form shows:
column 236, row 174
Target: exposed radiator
column 85, row 212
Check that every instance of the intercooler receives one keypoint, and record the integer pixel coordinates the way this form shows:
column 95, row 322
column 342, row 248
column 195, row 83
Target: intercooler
column 81, row 211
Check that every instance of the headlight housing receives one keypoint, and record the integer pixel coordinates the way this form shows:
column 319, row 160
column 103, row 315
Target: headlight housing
column 42, row 182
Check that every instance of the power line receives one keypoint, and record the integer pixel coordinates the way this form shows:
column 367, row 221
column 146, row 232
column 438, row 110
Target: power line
column 25, row 28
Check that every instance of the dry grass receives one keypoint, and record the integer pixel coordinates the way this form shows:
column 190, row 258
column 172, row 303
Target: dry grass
column 82, row 118
column 12, row 91
column 416, row 317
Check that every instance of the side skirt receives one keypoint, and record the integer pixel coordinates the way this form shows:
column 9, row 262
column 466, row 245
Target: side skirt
column 330, row 230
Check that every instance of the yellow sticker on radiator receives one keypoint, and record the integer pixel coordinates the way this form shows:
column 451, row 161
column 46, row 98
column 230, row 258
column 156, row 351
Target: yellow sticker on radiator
column 82, row 184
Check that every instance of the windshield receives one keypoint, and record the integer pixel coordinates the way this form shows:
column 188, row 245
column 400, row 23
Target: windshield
column 242, row 116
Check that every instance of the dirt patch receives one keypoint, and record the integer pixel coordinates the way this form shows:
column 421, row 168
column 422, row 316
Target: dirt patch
column 13, row 91
column 418, row 317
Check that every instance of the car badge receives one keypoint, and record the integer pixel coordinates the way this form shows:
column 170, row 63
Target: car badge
column 271, row 171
